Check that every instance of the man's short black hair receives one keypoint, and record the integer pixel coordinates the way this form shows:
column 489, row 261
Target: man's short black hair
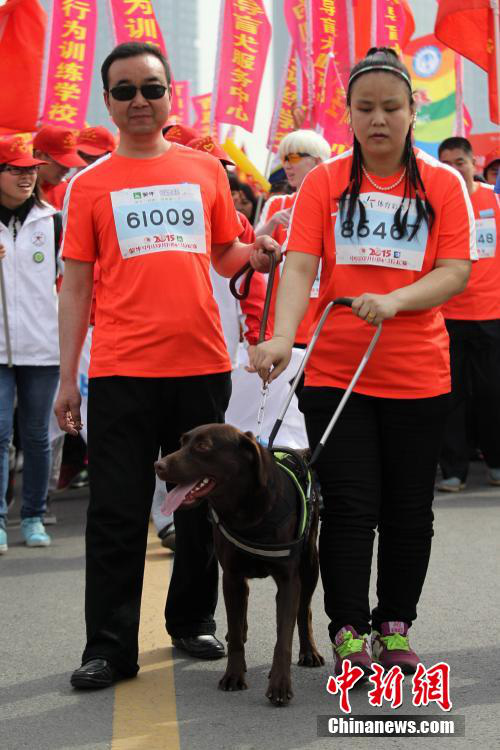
column 456, row 142
column 132, row 49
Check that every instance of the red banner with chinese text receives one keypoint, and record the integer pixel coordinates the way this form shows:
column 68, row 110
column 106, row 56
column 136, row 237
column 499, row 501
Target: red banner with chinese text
column 282, row 121
column 382, row 23
column 243, row 46
column 135, row 21
column 298, row 19
column 332, row 114
column 329, row 35
column 202, row 106
column 70, row 63
column 180, row 110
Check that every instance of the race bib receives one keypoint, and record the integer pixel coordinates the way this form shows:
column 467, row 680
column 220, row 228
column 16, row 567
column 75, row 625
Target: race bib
column 486, row 237
column 315, row 287
column 159, row 218
column 376, row 241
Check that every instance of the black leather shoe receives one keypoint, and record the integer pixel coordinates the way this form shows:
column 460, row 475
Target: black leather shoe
column 201, row 646
column 94, row 674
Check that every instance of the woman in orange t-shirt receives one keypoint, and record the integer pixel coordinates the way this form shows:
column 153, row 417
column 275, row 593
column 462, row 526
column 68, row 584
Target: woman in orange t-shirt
column 393, row 229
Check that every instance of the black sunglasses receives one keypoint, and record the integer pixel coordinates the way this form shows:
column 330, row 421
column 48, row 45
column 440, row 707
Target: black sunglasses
column 148, row 90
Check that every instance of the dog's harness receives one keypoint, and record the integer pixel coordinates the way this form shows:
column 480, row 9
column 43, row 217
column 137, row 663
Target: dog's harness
column 295, row 468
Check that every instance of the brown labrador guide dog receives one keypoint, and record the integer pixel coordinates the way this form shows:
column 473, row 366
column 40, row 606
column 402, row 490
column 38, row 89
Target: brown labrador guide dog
column 253, row 503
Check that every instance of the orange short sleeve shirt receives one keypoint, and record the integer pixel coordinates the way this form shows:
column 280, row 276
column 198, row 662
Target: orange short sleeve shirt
column 411, row 359
column 275, row 204
column 151, row 224
column 481, row 299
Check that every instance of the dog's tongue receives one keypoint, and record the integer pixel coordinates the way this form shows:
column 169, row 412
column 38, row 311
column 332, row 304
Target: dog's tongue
column 176, row 496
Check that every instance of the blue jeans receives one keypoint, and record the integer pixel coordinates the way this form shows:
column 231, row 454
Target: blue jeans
column 36, row 388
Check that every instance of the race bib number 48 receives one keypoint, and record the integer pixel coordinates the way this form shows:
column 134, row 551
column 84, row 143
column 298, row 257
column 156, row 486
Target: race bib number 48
column 159, row 218
column 486, row 235
column 376, row 241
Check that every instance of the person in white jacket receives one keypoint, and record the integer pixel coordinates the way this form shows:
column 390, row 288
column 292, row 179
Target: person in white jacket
column 29, row 347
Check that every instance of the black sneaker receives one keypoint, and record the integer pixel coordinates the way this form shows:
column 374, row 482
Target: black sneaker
column 167, row 536
column 81, row 480
column 49, row 517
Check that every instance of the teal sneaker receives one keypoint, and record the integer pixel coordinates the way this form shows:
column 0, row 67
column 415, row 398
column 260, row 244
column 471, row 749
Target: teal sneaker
column 34, row 533
column 3, row 541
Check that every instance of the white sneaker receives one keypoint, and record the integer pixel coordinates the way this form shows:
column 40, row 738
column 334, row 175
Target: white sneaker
column 452, row 484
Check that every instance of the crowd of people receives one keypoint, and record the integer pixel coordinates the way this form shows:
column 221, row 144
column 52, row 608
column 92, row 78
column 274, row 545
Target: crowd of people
column 154, row 224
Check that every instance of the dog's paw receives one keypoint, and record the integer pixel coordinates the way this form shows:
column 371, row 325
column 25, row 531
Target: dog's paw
column 280, row 691
column 310, row 658
column 233, row 681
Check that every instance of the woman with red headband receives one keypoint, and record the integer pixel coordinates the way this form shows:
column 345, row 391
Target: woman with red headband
column 392, row 228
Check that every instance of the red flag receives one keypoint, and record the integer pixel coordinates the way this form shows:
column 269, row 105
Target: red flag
column 22, row 32
column 468, row 27
column 332, row 115
column 69, row 64
column 135, row 21
column 244, row 36
column 299, row 22
column 382, row 23
column 282, row 121
column 330, row 34
column 202, row 105
column 180, row 110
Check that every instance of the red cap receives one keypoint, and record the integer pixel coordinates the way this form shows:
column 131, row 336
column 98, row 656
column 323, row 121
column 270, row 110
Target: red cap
column 179, row 134
column 18, row 152
column 491, row 158
column 211, row 147
column 59, row 144
column 95, row 141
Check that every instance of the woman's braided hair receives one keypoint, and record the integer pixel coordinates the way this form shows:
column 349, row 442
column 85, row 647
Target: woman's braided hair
column 386, row 60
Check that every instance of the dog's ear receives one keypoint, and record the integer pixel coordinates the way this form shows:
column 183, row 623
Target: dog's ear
column 260, row 457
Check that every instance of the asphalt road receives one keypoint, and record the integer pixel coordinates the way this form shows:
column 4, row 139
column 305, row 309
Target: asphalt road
column 174, row 703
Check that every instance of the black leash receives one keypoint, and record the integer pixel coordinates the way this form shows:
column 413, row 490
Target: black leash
column 249, row 271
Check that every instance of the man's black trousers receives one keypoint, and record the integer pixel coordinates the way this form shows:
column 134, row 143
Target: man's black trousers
column 129, row 420
column 475, row 396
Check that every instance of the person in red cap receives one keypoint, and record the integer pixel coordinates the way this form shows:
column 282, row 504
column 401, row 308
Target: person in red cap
column 210, row 146
column 492, row 166
column 57, row 146
column 182, row 134
column 29, row 346
column 95, row 142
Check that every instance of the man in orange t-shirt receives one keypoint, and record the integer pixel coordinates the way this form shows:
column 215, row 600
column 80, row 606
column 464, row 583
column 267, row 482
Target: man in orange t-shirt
column 154, row 214
column 473, row 323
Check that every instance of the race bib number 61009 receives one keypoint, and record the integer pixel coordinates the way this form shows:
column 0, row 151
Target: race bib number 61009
column 159, row 218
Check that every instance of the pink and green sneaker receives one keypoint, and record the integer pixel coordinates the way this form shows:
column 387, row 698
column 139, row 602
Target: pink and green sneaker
column 349, row 645
column 391, row 647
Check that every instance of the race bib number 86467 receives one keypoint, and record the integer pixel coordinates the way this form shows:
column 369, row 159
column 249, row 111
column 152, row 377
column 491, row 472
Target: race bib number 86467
column 377, row 241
